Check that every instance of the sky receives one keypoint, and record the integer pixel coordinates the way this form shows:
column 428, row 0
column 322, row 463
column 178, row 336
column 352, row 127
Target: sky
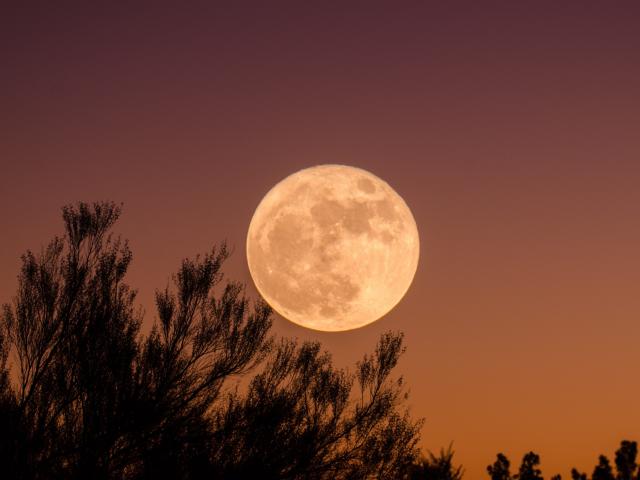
column 509, row 128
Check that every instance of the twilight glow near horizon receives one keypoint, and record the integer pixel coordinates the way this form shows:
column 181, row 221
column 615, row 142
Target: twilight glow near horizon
column 511, row 131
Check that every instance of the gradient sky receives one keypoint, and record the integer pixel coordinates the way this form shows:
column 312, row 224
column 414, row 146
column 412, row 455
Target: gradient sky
column 511, row 129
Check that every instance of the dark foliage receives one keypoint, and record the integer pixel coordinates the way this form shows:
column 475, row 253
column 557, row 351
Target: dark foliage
column 297, row 421
column 603, row 470
column 576, row 475
column 529, row 468
column 93, row 398
column 437, row 467
column 626, row 464
column 500, row 468
column 626, row 467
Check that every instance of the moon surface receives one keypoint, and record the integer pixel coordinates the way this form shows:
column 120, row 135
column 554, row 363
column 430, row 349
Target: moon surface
column 332, row 247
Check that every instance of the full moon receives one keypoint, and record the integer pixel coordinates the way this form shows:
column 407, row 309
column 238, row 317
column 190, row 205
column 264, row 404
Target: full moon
column 332, row 248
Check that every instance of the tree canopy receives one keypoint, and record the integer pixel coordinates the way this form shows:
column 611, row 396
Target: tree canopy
column 209, row 392
column 625, row 461
column 90, row 396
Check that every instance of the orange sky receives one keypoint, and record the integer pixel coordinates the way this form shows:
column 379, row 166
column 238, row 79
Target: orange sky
column 510, row 130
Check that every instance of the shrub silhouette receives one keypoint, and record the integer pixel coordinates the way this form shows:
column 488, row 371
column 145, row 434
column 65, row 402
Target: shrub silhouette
column 91, row 397
column 603, row 470
column 437, row 467
column 83, row 394
column 499, row 470
column 626, row 465
column 625, row 459
column 529, row 468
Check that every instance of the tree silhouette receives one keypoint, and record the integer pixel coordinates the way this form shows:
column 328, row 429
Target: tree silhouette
column 199, row 343
column 437, row 467
column 626, row 460
column 529, row 468
column 499, row 470
column 603, row 470
column 9, row 419
column 296, row 420
column 83, row 394
column 73, row 327
column 94, row 398
column 626, row 466
column 576, row 475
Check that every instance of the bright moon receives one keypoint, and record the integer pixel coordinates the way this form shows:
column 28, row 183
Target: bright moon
column 332, row 247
